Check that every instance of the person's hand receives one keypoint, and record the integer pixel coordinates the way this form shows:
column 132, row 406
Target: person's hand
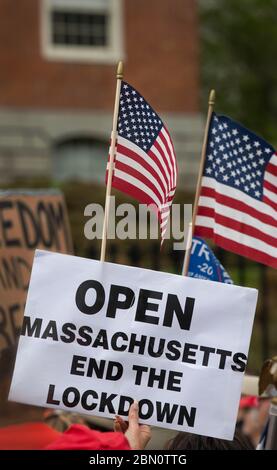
column 138, row 435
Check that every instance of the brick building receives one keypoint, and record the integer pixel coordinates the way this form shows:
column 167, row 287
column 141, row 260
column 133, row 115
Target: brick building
column 57, row 81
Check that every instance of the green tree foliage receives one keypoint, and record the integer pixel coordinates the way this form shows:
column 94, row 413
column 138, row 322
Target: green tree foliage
column 239, row 60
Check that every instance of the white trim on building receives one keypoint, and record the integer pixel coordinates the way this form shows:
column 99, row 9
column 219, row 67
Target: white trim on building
column 105, row 54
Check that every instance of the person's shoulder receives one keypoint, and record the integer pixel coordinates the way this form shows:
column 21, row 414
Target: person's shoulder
column 81, row 437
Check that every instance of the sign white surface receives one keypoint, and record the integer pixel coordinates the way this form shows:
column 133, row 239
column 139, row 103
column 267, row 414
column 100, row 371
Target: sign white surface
column 97, row 335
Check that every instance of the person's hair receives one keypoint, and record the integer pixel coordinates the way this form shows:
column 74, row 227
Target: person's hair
column 188, row 441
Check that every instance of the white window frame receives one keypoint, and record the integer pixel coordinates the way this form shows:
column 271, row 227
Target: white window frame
column 109, row 54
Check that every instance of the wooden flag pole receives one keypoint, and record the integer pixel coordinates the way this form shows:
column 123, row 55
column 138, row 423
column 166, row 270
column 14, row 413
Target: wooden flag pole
column 198, row 186
column 187, row 253
column 119, row 76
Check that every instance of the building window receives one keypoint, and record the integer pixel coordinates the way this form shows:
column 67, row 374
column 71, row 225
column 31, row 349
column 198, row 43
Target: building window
column 83, row 30
column 80, row 159
column 79, row 29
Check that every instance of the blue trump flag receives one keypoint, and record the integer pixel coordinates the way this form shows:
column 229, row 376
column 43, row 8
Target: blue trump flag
column 204, row 264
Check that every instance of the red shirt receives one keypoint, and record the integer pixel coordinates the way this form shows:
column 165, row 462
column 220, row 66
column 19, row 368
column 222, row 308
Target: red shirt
column 79, row 437
column 27, row 436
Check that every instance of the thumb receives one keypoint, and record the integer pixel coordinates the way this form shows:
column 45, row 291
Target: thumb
column 117, row 427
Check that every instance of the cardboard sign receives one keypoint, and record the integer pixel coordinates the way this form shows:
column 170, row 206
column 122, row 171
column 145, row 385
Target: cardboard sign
column 28, row 219
column 97, row 335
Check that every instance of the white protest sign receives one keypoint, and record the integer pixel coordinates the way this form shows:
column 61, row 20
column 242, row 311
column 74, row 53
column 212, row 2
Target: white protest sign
column 97, row 335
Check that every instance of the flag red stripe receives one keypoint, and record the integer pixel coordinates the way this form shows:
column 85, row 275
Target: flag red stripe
column 166, row 161
column 158, row 162
column 238, row 205
column 134, row 192
column 169, row 155
column 235, row 247
column 270, row 186
column 271, row 169
column 137, row 158
column 236, row 225
column 269, row 202
column 174, row 156
column 139, row 176
column 166, row 156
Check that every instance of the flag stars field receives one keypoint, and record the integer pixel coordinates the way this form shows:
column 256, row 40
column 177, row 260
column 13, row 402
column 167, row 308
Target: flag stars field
column 237, row 143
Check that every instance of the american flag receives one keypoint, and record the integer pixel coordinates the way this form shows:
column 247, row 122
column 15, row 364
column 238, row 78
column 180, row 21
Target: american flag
column 145, row 165
column 238, row 199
